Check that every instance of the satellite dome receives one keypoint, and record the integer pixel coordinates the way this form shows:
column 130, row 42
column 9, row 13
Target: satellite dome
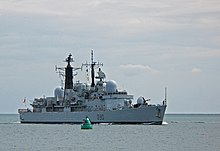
column 140, row 100
column 104, row 85
column 83, row 86
column 111, row 86
column 58, row 92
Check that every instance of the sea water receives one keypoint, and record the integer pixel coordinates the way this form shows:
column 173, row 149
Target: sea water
column 178, row 133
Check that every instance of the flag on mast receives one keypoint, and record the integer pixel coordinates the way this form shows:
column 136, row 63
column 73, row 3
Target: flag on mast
column 24, row 101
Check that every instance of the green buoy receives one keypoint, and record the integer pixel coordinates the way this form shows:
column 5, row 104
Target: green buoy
column 86, row 124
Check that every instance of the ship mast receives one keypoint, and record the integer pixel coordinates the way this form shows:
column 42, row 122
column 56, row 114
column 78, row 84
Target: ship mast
column 92, row 71
column 69, row 73
column 92, row 65
column 165, row 100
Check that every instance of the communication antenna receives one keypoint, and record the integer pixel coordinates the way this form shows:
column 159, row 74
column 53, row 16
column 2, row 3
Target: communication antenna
column 61, row 73
column 165, row 100
column 92, row 57
column 92, row 66
column 63, row 70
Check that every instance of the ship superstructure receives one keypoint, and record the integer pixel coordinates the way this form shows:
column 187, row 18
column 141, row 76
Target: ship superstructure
column 101, row 101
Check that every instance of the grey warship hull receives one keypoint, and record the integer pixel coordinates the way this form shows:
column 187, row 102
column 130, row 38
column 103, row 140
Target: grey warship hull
column 102, row 101
column 149, row 115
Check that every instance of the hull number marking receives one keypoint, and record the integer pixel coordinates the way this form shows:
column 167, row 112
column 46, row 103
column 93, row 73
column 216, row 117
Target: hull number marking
column 100, row 117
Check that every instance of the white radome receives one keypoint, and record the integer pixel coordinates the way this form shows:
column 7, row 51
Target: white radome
column 140, row 100
column 111, row 86
column 58, row 92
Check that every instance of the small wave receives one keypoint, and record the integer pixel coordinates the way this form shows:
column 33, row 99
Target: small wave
column 174, row 122
column 17, row 122
column 103, row 124
column 164, row 123
column 6, row 123
column 197, row 122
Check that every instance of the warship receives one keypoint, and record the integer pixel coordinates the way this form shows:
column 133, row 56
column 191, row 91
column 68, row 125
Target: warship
column 100, row 100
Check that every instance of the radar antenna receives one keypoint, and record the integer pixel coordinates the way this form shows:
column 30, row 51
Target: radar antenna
column 61, row 74
column 69, row 59
column 67, row 73
column 93, row 64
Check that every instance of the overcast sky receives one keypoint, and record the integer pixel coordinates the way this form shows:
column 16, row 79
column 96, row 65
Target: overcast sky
column 145, row 45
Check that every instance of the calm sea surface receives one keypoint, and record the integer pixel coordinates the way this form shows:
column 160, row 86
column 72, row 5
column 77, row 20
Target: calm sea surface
column 179, row 133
